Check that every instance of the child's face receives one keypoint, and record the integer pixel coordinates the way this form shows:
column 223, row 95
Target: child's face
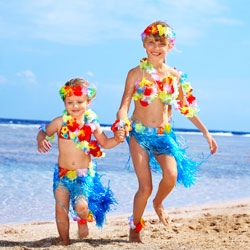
column 156, row 50
column 76, row 105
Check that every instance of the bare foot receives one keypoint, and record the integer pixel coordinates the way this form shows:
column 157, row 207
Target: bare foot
column 83, row 230
column 134, row 236
column 163, row 217
column 62, row 242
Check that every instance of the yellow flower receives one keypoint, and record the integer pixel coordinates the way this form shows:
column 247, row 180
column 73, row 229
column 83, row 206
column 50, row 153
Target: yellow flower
column 186, row 86
column 161, row 30
column 71, row 174
column 64, row 130
column 139, row 128
column 168, row 128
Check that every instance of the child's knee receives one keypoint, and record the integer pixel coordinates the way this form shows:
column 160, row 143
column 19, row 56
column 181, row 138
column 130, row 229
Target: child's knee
column 82, row 208
column 146, row 190
column 170, row 178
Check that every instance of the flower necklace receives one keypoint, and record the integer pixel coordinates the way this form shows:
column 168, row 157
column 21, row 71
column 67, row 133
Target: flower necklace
column 81, row 136
column 168, row 90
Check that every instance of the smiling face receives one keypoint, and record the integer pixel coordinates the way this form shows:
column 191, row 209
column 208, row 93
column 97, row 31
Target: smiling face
column 156, row 49
column 76, row 105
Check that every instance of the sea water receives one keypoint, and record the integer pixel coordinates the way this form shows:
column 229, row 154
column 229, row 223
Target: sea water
column 26, row 176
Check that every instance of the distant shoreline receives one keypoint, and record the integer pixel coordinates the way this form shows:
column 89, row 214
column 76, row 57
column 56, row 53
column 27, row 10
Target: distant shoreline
column 11, row 121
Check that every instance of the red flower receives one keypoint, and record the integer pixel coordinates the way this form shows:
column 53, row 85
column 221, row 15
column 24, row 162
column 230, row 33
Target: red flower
column 72, row 125
column 95, row 149
column 148, row 91
column 82, row 221
column 143, row 103
column 171, row 89
column 160, row 85
column 154, row 29
column 160, row 131
column 84, row 133
column 143, row 59
column 77, row 90
column 62, row 172
column 190, row 98
column 113, row 128
column 147, row 30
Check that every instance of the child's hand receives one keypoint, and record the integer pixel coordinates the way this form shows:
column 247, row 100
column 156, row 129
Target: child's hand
column 43, row 146
column 120, row 135
column 211, row 142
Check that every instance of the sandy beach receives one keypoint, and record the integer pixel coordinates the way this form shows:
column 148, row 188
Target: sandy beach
column 220, row 225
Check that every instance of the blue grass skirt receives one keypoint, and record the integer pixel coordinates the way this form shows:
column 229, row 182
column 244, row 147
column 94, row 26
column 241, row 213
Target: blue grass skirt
column 166, row 144
column 88, row 186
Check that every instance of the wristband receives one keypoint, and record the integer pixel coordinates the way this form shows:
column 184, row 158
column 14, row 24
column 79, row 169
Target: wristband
column 120, row 124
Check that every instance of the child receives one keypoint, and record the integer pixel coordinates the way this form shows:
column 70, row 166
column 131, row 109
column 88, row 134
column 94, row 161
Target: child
column 75, row 177
column 155, row 88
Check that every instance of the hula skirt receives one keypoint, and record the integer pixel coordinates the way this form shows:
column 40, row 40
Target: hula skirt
column 85, row 183
column 156, row 141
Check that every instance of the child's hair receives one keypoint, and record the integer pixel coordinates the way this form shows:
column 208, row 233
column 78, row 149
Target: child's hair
column 161, row 31
column 77, row 86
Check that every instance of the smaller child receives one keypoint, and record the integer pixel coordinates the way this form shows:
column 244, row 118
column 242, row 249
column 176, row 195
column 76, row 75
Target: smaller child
column 75, row 178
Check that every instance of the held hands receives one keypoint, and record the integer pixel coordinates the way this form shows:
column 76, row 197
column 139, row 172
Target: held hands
column 211, row 142
column 120, row 135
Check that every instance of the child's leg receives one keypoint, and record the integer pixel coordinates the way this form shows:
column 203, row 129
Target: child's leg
column 140, row 160
column 62, row 208
column 82, row 210
column 167, row 183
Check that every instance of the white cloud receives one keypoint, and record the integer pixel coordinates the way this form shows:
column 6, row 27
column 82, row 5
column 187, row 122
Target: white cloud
column 90, row 73
column 27, row 75
column 88, row 22
column 227, row 21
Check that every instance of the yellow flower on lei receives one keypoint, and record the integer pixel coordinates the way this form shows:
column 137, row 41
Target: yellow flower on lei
column 71, row 174
column 168, row 128
column 139, row 128
column 64, row 130
column 161, row 30
column 91, row 171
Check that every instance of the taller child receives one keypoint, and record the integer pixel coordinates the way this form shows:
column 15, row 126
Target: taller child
column 156, row 88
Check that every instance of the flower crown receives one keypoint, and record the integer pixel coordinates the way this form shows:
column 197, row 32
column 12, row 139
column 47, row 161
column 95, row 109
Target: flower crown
column 154, row 29
column 77, row 91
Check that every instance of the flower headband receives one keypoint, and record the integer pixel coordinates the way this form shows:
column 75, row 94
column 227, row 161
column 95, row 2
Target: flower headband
column 154, row 29
column 77, row 91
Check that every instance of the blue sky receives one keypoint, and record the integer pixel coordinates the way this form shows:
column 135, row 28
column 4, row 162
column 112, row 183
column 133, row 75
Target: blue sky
column 45, row 43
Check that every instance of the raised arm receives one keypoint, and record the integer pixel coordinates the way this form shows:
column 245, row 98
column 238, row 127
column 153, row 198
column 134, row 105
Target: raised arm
column 44, row 145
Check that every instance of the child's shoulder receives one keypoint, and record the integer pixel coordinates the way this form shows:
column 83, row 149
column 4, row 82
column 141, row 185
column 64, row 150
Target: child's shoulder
column 134, row 72
column 173, row 72
column 58, row 120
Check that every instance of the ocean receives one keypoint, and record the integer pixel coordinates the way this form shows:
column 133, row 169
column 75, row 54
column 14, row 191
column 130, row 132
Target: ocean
column 27, row 176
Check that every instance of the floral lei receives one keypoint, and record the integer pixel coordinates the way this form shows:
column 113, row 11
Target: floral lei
column 77, row 91
column 168, row 92
column 162, row 31
column 81, row 136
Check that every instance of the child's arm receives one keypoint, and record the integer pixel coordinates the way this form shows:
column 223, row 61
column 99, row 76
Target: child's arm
column 198, row 124
column 42, row 144
column 127, row 96
column 211, row 142
column 106, row 142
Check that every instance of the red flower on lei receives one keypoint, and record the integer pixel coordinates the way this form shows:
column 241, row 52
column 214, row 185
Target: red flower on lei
column 95, row 150
column 72, row 125
column 85, row 133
